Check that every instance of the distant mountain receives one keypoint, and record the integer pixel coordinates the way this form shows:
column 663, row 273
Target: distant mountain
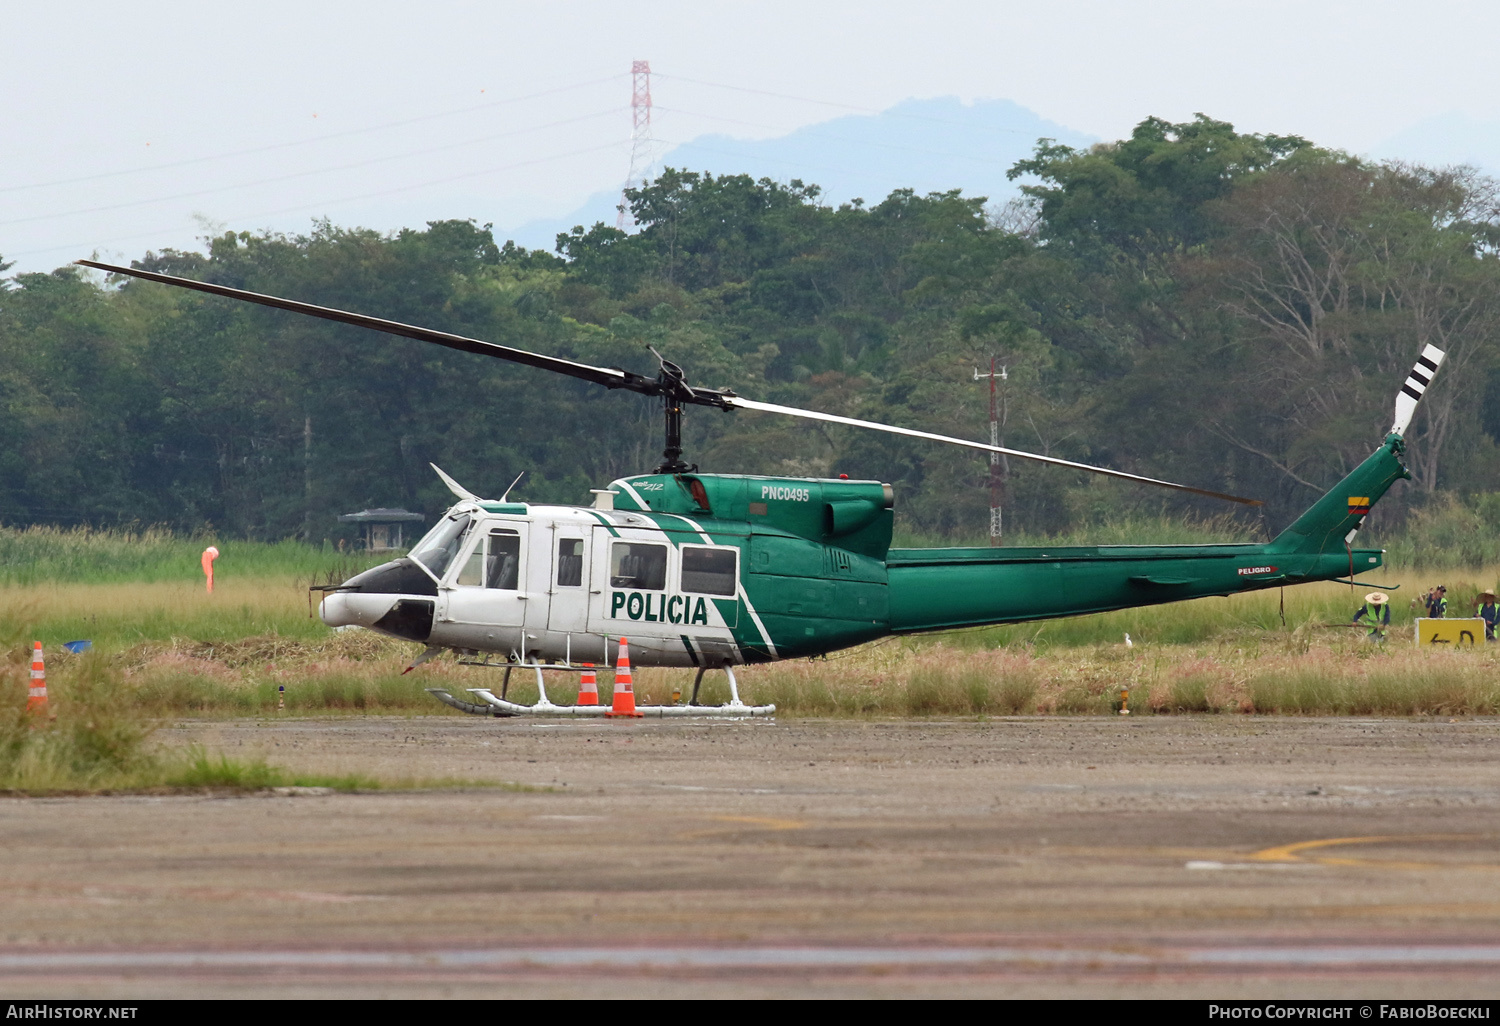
column 1451, row 138
column 926, row 145
column 542, row 233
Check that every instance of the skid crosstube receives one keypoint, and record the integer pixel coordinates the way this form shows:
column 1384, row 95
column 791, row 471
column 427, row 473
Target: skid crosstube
column 493, row 706
column 544, row 706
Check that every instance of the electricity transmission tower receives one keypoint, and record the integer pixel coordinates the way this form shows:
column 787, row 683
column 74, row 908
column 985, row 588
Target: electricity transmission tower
column 640, row 138
column 997, row 464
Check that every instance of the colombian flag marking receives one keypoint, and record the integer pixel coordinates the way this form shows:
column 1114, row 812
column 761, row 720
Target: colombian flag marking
column 1359, row 505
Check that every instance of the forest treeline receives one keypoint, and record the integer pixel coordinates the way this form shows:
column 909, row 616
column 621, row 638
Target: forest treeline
column 1226, row 310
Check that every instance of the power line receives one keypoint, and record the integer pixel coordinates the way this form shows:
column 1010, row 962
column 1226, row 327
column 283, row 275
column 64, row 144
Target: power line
column 616, row 144
column 308, row 142
column 304, row 174
column 447, row 179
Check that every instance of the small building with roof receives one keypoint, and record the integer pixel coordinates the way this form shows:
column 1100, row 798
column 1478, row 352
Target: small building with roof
column 381, row 530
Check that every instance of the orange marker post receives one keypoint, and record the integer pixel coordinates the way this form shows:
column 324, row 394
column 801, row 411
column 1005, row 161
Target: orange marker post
column 624, row 699
column 588, row 686
column 209, row 555
column 36, row 700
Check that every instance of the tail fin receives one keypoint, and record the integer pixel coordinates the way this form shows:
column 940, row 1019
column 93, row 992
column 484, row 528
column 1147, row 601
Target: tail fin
column 1333, row 520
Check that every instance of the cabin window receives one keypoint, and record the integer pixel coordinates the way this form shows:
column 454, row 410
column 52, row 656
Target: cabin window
column 632, row 565
column 569, row 562
column 503, row 567
column 442, row 543
column 709, row 571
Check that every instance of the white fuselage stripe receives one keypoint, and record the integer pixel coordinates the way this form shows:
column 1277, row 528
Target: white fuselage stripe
column 645, row 506
column 740, row 588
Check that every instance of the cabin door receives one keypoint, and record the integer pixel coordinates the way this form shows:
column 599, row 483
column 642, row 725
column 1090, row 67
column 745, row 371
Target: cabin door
column 487, row 592
column 568, row 584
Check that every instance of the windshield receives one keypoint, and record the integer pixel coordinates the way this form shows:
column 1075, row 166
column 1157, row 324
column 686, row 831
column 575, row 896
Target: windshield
column 442, row 543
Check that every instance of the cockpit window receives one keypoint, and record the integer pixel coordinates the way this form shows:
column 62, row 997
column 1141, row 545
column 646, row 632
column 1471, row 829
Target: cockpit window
column 442, row 543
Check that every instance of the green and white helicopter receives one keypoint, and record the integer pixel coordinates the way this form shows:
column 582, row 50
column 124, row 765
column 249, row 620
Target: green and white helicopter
column 716, row 571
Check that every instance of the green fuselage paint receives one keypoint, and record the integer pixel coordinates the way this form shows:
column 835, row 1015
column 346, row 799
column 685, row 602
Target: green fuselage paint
column 817, row 572
column 743, row 569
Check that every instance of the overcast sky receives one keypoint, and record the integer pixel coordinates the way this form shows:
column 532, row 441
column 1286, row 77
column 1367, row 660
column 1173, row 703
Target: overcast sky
column 133, row 126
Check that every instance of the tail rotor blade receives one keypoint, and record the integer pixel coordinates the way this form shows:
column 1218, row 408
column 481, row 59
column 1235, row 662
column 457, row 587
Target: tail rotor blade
column 750, row 404
column 1416, row 385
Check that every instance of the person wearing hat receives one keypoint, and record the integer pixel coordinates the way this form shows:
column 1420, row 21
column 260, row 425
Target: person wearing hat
column 1487, row 610
column 1437, row 603
column 1377, row 608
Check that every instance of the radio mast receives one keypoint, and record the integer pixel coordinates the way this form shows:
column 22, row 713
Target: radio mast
column 640, row 138
column 997, row 464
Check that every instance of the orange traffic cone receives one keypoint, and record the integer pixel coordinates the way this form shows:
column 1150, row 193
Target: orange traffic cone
column 588, row 686
column 36, row 701
column 624, row 703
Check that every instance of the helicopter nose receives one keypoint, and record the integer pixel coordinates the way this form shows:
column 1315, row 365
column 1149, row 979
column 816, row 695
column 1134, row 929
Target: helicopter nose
column 351, row 609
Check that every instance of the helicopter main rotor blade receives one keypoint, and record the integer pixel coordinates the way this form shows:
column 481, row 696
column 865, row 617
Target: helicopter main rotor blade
column 791, row 411
column 609, row 377
column 669, row 383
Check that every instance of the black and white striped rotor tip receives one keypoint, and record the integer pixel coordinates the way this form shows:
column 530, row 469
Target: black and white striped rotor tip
column 1416, row 384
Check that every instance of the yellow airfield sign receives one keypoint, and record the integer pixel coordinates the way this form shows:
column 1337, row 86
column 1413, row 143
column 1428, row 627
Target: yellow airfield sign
column 1452, row 633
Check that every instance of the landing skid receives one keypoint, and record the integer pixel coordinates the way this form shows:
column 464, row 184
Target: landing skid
column 489, row 705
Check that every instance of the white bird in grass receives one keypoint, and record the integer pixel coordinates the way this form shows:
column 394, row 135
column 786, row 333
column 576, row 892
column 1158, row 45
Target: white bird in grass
column 1128, row 642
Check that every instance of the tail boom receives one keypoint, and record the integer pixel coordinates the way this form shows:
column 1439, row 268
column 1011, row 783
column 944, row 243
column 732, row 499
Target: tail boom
column 940, row 589
column 943, row 589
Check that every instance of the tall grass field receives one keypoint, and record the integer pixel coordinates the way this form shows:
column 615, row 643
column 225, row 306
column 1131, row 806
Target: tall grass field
column 52, row 555
column 170, row 649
